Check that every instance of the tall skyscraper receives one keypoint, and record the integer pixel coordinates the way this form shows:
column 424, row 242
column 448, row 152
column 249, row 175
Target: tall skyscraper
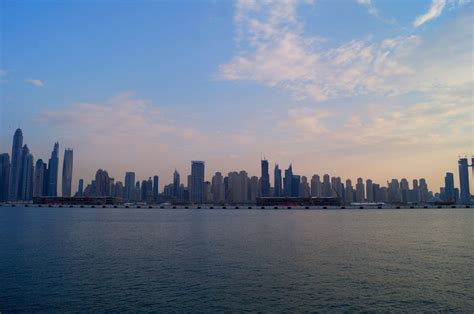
column 27, row 169
column 39, row 178
column 464, row 180
column 130, row 188
column 277, row 190
column 197, row 182
column 218, row 189
column 449, row 187
column 349, row 192
column 4, row 176
column 16, row 164
column 80, row 188
column 265, row 179
column 176, row 184
column 287, row 181
column 327, row 190
column 67, row 172
column 102, row 183
column 360, row 191
column 156, row 188
column 253, row 188
column 370, row 190
column 304, row 187
column 316, row 187
column 424, row 196
column 295, row 186
column 53, row 171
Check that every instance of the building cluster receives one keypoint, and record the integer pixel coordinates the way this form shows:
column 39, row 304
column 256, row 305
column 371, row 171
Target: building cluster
column 21, row 179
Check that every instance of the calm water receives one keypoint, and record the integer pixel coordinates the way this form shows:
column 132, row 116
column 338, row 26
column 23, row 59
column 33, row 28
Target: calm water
column 58, row 259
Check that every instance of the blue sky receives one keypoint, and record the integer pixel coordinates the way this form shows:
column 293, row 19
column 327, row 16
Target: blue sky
column 376, row 89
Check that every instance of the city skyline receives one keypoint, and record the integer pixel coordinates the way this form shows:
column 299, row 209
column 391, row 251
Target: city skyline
column 351, row 88
column 23, row 179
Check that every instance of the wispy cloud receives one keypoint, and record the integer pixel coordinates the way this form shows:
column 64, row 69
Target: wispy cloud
column 35, row 82
column 275, row 51
column 372, row 10
column 435, row 10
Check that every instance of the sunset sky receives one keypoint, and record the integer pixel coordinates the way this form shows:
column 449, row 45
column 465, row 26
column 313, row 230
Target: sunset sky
column 376, row 89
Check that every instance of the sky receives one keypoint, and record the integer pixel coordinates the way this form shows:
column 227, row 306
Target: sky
column 352, row 88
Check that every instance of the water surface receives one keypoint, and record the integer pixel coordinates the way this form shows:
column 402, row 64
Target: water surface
column 94, row 259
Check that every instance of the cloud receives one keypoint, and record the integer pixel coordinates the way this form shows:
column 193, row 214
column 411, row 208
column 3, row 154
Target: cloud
column 36, row 82
column 275, row 51
column 434, row 11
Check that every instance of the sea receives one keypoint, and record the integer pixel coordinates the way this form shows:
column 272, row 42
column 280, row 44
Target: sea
column 236, row 260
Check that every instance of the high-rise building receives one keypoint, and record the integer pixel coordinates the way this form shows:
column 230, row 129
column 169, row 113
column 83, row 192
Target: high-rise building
column 16, row 164
column 155, row 189
column 80, row 188
column 176, row 184
column 67, row 172
column 277, row 190
column 207, row 192
column 295, row 186
column 27, row 169
column 360, row 190
column 370, row 190
column 424, row 192
column 288, row 182
column 130, row 187
column 464, row 180
column 394, row 191
column 415, row 192
column 39, row 178
column 349, row 192
column 316, row 187
column 102, row 183
column 4, row 176
column 265, row 179
column 218, row 189
column 449, row 187
column 404, row 191
column 327, row 190
column 253, row 189
column 197, row 182
column 53, row 171
column 305, row 191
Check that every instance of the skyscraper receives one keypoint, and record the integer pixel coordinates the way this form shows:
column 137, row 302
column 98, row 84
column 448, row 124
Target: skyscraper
column 370, row 190
column 39, row 178
column 27, row 169
column 197, row 182
column 287, row 182
column 16, row 164
column 316, row 186
column 102, row 183
column 265, row 179
column 295, row 186
column 360, row 191
column 176, row 184
column 464, row 180
column 67, row 172
column 349, row 192
column 277, row 181
column 327, row 190
column 156, row 188
column 4, row 176
column 129, row 193
column 218, row 189
column 304, row 187
column 253, row 188
column 449, row 187
column 80, row 188
column 53, row 171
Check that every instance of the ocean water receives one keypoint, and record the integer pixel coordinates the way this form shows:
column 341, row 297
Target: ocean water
column 62, row 259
